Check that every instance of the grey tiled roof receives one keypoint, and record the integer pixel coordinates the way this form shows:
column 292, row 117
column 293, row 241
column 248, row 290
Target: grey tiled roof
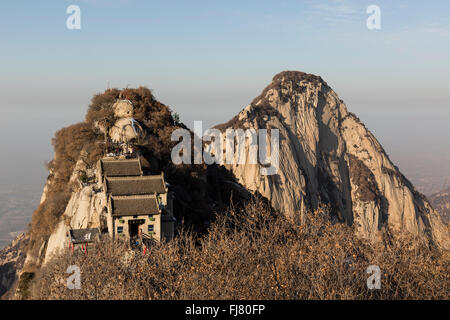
column 83, row 235
column 122, row 186
column 120, row 168
column 134, row 205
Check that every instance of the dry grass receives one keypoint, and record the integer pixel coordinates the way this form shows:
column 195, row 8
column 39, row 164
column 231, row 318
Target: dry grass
column 253, row 253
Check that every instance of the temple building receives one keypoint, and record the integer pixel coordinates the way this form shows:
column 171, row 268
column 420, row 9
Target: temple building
column 139, row 206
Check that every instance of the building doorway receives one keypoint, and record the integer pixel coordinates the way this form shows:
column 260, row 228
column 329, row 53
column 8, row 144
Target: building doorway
column 133, row 230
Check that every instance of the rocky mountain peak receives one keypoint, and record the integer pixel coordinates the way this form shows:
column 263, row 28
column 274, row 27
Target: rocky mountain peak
column 288, row 81
column 328, row 157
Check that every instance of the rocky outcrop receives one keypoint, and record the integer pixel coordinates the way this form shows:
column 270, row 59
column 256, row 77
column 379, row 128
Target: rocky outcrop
column 126, row 130
column 327, row 156
column 11, row 262
column 123, row 109
column 85, row 210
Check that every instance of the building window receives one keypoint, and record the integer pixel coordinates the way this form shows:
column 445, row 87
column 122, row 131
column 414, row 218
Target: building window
column 151, row 228
column 119, row 229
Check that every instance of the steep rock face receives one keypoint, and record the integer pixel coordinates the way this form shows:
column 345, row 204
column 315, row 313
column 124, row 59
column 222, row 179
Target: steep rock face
column 327, row 156
column 11, row 262
column 85, row 209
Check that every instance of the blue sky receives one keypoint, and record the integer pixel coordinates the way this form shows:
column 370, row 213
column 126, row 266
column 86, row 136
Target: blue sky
column 208, row 59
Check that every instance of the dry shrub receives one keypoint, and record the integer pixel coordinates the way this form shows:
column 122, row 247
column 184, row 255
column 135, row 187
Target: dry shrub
column 156, row 118
column 47, row 214
column 100, row 110
column 68, row 143
column 252, row 253
column 152, row 114
column 147, row 109
column 94, row 151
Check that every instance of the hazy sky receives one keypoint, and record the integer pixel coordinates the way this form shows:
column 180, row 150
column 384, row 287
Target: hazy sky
column 209, row 59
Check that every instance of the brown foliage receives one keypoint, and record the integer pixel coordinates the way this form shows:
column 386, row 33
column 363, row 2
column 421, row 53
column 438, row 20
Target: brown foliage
column 47, row 214
column 147, row 109
column 68, row 143
column 101, row 109
column 253, row 254
column 155, row 116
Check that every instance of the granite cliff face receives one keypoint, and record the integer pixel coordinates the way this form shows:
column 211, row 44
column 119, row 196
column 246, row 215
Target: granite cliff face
column 84, row 210
column 327, row 156
column 11, row 262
